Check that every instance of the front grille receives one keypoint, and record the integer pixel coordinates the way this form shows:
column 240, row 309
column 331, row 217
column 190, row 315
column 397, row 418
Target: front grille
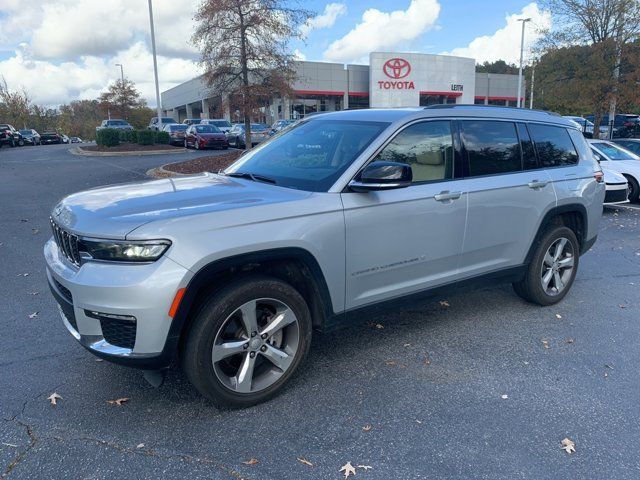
column 616, row 196
column 67, row 243
column 66, row 293
column 120, row 333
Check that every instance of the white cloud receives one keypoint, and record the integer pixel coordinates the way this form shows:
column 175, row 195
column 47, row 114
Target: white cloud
column 331, row 13
column 504, row 44
column 298, row 55
column 384, row 31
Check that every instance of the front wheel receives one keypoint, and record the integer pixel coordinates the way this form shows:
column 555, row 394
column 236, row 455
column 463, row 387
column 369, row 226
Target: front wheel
column 247, row 341
column 634, row 189
column 553, row 268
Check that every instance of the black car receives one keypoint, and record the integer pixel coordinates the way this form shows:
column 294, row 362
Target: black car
column 624, row 124
column 631, row 144
column 50, row 137
column 10, row 136
column 31, row 137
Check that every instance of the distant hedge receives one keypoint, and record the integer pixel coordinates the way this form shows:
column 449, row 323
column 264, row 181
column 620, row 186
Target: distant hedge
column 110, row 137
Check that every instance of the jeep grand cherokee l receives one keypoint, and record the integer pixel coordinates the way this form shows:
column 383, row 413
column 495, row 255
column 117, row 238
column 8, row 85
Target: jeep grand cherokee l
column 342, row 213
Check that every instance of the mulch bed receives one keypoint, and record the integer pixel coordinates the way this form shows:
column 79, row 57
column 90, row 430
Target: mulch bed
column 212, row 163
column 128, row 147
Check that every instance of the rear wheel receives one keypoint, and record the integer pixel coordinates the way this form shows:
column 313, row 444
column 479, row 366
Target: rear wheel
column 247, row 341
column 553, row 268
column 634, row 189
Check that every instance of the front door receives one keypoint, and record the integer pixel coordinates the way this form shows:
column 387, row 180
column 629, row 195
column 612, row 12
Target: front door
column 409, row 239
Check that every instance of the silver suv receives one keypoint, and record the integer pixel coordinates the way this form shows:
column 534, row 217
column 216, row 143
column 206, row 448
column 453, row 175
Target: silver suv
column 340, row 214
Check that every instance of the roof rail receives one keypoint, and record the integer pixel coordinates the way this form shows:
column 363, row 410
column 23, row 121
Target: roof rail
column 468, row 105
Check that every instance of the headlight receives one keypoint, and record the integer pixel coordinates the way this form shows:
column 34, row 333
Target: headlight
column 124, row 251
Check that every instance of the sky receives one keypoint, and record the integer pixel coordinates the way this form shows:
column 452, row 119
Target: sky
column 64, row 50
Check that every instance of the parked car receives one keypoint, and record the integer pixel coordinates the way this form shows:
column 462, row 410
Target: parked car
column 280, row 125
column 10, row 136
column 621, row 160
column 51, row 137
column 205, row 136
column 65, row 139
column 192, row 121
column 624, row 125
column 342, row 215
column 586, row 126
column 114, row 123
column 176, row 132
column 154, row 125
column 221, row 123
column 76, row 140
column 236, row 136
column 617, row 187
column 30, row 136
column 631, row 144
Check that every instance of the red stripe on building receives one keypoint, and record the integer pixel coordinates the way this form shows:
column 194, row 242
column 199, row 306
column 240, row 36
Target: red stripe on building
column 444, row 94
column 358, row 94
column 318, row 92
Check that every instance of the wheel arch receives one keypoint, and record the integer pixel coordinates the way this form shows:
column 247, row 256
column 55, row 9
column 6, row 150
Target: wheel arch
column 294, row 265
column 573, row 216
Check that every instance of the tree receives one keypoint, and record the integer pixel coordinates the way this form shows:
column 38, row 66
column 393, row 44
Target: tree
column 609, row 27
column 499, row 66
column 245, row 49
column 121, row 97
column 15, row 105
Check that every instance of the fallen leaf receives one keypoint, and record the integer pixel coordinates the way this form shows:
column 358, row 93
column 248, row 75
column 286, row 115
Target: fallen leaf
column 390, row 362
column 9, row 444
column 365, row 467
column 569, row 340
column 34, row 293
column 24, row 220
column 33, row 315
column 304, row 461
column 348, row 470
column 558, row 316
column 407, row 345
column 378, row 326
column 608, row 366
column 35, row 231
column 444, row 303
column 504, row 397
column 568, row 445
column 140, row 445
column 545, row 344
column 22, row 275
column 98, row 359
column 118, row 401
column 53, row 398
column 427, row 360
column 251, row 461
column 526, row 363
column 622, row 305
column 418, row 421
column 367, row 428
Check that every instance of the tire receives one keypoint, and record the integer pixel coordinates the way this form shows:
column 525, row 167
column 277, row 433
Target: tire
column 532, row 287
column 219, row 322
column 196, row 145
column 21, row 143
column 13, row 143
column 186, row 145
column 634, row 189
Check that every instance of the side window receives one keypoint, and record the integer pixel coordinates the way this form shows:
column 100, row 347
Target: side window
column 529, row 160
column 492, row 147
column 427, row 147
column 554, row 146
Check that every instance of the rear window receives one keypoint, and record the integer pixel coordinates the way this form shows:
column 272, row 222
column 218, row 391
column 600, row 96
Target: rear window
column 554, row 145
column 221, row 123
column 207, row 129
column 178, row 128
column 492, row 147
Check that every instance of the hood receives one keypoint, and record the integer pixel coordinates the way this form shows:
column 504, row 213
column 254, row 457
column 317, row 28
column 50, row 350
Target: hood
column 114, row 211
column 611, row 176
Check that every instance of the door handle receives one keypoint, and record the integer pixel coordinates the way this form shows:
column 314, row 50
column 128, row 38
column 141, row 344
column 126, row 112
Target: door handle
column 538, row 184
column 447, row 195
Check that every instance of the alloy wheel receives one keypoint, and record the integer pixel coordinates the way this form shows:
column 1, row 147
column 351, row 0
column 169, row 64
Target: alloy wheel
column 557, row 266
column 255, row 345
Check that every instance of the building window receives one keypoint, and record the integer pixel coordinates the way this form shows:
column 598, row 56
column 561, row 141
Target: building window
column 358, row 101
column 426, row 100
column 502, row 103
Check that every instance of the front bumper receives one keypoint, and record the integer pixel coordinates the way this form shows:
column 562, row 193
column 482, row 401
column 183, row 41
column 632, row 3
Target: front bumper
column 118, row 312
column 616, row 193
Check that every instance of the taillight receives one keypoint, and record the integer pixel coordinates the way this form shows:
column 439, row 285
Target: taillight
column 599, row 176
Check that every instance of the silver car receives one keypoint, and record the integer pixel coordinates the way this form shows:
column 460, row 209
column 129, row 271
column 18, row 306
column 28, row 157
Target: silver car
column 342, row 214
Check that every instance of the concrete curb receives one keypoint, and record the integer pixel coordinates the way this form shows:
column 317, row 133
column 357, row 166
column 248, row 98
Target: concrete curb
column 85, row 153
column 161, row 172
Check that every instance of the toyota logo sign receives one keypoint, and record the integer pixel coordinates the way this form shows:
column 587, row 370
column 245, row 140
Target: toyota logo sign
column 396, row 68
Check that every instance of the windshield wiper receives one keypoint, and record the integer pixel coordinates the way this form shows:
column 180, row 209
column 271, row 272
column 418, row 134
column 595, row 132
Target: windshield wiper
column 251, row 176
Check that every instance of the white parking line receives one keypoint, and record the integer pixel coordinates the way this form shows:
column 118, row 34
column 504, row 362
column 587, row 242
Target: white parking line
column 627, row 206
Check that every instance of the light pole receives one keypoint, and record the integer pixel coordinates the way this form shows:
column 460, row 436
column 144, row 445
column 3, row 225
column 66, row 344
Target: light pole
column 155, row 67
column 524, row 21
column 121, row 72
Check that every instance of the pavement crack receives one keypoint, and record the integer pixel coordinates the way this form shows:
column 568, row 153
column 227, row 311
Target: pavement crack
column 22, row 454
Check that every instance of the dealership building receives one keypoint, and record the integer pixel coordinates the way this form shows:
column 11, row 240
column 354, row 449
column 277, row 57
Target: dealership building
column 390, row 80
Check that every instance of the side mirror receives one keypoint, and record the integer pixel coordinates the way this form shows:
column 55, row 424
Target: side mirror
column 382, row 176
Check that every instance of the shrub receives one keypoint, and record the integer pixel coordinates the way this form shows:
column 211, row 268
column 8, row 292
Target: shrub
column 163, row 138
column 128, row 136
column 145, row 137
column 108, row 137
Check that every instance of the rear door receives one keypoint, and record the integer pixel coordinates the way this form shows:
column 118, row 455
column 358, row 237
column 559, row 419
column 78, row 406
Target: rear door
column 409, row 239
column 508, row 194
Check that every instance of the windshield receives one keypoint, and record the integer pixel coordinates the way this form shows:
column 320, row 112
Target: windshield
column 168, row 120
column 207, row 129
column 310, row 156
column 221, row 123
column 116, row 122
column 615, row 153
column 581, row 121
column 25, row 132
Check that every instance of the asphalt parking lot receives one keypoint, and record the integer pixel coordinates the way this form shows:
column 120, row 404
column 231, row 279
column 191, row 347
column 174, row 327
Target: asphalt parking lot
column 477, row 385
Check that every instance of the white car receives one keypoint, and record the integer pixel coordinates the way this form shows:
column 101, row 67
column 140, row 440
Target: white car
column 222, row 124
column 617, row 187
column 621, row 160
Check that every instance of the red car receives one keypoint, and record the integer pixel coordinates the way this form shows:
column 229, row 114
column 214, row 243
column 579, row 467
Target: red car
column 205, row 136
